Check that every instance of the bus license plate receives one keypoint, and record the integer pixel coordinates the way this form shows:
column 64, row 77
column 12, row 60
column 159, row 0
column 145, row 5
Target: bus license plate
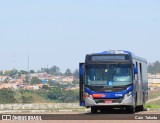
column 107, row 101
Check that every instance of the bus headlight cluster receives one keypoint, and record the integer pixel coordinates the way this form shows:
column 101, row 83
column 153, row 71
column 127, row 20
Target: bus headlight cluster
column 127, row 94
column 86, row 95
column 90, row 96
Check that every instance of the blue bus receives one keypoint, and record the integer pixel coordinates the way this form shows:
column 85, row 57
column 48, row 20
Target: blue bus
column 112, row 79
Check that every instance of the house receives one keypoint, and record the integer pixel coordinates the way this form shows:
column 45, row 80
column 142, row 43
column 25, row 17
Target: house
column 68, row 79
column 8, row 85
column 39, row 85
column 30, row 87
column 2, row 78
column 154, row 81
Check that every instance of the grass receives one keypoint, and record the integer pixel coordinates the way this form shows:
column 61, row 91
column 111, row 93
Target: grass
column 40, row 98
column 153, row 104
column 153, row 94
column 36, row 98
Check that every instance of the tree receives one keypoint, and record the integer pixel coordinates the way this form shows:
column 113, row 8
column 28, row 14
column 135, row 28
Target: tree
column 68, row 72
column 32, row 71
column 68, row 96
column 45, row 87
column 35, row 80
column 154, row 68
column 54, row 70
column 76, row 74
column 27, row 79
column 23, row 72
column 26, row 99
column 45, row 70
column 1, row 73
column 52, row 82
column 6, row 80
column 7, row 96
column 75, row 82
column 13, row 73
column 54, row 93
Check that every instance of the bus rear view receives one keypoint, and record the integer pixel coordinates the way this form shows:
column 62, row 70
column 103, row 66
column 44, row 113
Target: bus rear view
column 113, row 79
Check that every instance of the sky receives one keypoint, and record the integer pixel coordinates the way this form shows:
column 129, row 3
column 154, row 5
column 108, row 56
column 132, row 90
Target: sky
column 62, row 32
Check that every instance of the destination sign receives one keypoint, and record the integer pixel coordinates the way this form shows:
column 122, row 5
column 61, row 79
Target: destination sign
column 109, row 57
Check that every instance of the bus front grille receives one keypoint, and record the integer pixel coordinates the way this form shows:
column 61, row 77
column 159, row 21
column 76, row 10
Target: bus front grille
column 119, row 100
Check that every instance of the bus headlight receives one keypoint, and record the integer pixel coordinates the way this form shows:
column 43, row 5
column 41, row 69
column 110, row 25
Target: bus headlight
column 86, row 95
column 127, row 94
column 90, row 96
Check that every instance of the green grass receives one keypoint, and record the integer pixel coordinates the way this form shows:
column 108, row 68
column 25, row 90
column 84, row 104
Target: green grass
column 40, row 98
column 152, row 106
column 35, row 97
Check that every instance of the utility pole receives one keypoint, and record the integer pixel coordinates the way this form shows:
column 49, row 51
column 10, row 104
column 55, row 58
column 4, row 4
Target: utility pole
column 28, row 64
column 14, row 66
column 28, row 75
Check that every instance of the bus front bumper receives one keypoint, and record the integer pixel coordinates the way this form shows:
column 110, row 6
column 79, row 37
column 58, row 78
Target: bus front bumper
column 125, row 102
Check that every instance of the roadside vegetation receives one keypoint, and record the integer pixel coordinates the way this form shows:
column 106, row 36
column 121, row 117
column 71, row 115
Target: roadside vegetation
column 154, row 67
column 57, row 93
column 153, row 95
column 52, row 91
column 152, row 105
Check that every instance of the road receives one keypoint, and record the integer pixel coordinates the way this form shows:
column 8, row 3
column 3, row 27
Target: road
column 117, row 116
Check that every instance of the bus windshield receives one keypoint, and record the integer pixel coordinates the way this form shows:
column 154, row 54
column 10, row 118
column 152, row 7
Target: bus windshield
column 108, row 74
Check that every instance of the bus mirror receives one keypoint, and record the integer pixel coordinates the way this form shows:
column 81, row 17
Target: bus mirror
column 135, row 70
column 81, row 70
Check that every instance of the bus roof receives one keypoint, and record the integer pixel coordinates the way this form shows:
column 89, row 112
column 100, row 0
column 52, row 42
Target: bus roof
column 120, row 52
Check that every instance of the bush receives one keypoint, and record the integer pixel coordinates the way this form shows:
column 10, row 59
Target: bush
column 7, row 96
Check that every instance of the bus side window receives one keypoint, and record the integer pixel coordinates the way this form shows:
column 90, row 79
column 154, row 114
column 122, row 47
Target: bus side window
column 140, row 65
column 133, row 71
column 136, row 76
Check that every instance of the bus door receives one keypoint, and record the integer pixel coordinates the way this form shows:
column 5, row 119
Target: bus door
column 81, row 84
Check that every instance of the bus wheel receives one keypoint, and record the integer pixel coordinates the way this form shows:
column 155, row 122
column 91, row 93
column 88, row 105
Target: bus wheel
column 132, row 109
column 94, row 109
column 141, row 108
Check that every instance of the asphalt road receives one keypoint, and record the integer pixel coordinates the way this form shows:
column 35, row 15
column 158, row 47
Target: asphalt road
column 103, row 116
column 109, row 115
column 118, row 116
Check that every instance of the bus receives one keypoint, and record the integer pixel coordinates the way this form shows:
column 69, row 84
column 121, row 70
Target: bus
column 113, row 79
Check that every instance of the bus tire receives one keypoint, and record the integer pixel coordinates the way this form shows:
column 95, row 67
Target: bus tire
column 94, row 109
column 141, row 107
column 132, row 109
